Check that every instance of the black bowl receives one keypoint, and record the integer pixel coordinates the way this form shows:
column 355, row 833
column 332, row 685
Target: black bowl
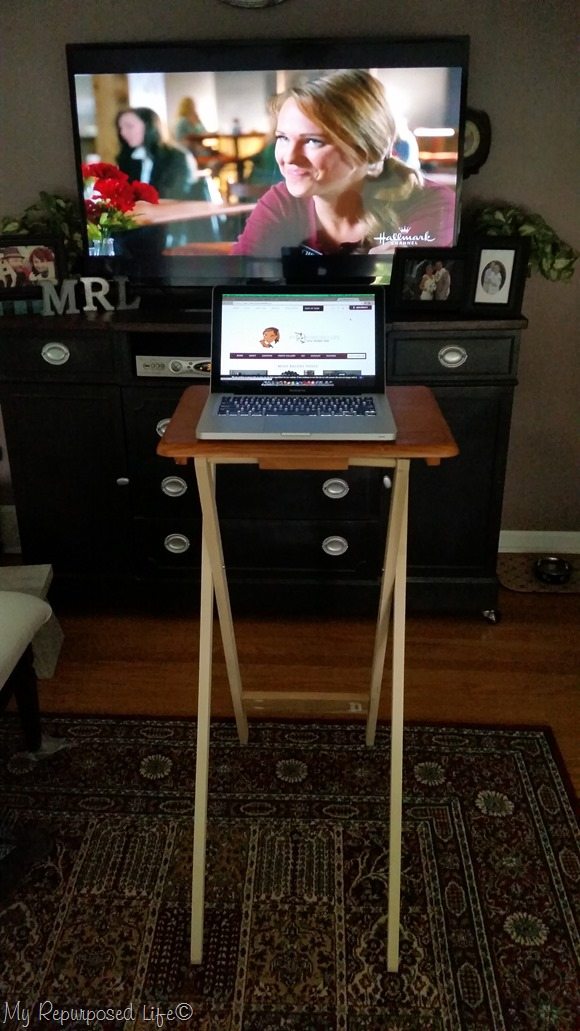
column 552, row 570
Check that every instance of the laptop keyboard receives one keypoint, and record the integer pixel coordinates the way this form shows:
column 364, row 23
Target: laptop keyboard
column 237, row 404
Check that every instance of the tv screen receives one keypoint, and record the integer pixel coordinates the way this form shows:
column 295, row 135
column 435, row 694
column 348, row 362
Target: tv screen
column 220, row 162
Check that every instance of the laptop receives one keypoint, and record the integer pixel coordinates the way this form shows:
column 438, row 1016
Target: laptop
column 297, row 363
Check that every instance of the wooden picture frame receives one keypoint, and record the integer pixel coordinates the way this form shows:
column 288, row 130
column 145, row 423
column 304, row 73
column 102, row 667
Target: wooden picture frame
column 428, row 280
column 500, row 266
column 25, row 262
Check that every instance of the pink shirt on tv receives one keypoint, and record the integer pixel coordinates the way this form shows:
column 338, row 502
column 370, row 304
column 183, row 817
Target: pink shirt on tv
column 426, row 219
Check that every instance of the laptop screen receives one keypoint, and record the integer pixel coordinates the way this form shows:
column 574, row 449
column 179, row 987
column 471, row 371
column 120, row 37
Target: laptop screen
column 298, row 340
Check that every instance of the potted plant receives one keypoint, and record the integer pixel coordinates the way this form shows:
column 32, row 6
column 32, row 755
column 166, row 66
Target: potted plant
column 549, row 254
column 109, row 200
column 58, row 216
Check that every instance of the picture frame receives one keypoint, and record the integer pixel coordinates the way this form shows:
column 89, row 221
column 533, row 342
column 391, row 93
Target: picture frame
column 429, row 280
column 26, row 261
column 500, row 266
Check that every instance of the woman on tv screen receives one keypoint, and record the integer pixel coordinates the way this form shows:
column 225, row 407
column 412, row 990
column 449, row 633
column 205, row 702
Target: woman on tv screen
column 145, row 157
column 343, row 191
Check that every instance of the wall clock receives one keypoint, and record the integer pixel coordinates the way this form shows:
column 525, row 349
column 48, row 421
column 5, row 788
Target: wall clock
column 477, row 141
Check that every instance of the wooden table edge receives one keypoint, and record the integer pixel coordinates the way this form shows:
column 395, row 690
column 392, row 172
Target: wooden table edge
column 422, row 433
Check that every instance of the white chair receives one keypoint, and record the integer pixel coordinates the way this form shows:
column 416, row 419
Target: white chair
column 21, row 616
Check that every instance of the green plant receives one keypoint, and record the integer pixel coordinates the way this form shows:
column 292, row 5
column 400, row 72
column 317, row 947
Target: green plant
column 549, row 254
column 55, row 216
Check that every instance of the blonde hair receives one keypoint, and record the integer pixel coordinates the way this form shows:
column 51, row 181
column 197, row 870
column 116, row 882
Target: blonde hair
column 187, row 108
column 352, row 107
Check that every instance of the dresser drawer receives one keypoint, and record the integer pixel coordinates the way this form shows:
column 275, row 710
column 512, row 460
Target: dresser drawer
column 57, row 357
column 166, row 547
column 299, row 547
column 424, row 358
column 171, row 492
column 248, row 492
column 158, row 485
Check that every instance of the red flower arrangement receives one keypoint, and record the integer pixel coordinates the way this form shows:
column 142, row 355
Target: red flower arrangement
column 110, row 198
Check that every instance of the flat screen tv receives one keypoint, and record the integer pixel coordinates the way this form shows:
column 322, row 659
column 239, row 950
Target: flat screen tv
column 271, row 160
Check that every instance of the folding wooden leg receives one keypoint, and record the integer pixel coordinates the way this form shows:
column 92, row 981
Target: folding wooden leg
column 212, row 537
column 202, row 756
column 212, row 579
column 397, row 715
column 393, row 547
column 393, row 597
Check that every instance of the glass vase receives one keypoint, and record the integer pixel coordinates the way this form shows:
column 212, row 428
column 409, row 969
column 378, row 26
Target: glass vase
column 104, row 247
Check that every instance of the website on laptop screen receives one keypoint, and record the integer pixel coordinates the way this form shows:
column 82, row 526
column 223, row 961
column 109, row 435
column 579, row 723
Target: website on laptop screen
column 311, row 341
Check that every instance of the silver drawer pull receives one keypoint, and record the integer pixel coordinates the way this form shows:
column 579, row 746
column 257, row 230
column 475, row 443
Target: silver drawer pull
column 335, row 488
column 173, row 486
column 55, row 353
column 162, row 426
column 452, row 356
column 387, row 482
column 334, row 546
column 176, row 543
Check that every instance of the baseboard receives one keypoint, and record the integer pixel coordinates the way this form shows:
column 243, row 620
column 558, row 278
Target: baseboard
column 9, row 536
column 547, row 542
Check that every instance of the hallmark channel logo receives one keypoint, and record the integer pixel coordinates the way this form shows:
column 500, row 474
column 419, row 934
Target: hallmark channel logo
column 404, row 238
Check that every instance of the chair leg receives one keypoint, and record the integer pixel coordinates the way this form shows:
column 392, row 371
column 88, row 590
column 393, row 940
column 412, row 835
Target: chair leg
column 22, row 684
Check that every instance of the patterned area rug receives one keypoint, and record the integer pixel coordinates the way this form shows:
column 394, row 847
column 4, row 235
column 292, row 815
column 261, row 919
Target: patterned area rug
column 96, row 847
column 516, row 572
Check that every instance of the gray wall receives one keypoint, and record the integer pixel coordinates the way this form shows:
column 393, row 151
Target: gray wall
column 522, row 63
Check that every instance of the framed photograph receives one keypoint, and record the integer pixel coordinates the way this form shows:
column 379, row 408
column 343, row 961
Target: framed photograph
column 432, row 280
column 500, row 270
column 27, row 261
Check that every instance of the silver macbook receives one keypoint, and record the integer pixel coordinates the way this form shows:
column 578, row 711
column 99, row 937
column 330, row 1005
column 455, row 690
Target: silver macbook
column 297, row 363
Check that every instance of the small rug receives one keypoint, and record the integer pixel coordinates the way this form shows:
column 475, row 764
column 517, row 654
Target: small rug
column 96, row 874
column 516, row 572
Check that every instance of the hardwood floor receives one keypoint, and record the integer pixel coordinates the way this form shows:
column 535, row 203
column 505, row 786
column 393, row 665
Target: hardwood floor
column 141, row 659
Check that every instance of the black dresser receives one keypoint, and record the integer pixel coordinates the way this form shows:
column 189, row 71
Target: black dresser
column 84, row 400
